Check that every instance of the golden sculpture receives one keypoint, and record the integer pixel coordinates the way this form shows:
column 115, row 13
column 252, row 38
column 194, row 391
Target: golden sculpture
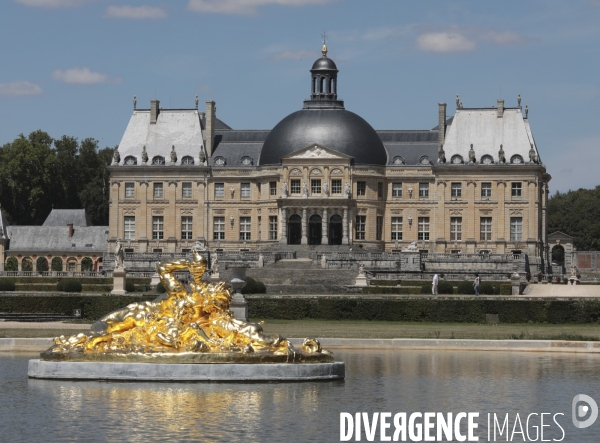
column 184, row 325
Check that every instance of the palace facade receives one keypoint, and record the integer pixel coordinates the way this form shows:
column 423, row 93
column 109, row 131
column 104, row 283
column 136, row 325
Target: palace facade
column 324, row 176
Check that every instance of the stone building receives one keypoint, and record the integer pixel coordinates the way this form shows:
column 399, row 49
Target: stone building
column 324, row 176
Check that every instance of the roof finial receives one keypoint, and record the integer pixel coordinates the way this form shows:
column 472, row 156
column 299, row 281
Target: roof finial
column 134, row 102
column 324, row 49
column 519, row 99
column 196, row 101
column 457, row 101
column 526, row 111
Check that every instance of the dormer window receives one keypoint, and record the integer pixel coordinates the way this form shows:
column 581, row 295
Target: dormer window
column 516, row 159
column 487, row 160
column 130, row 160
column 158, row 160
column 247, row 161
column 398, row 161
column 424, row 160
column 220, row 161
column 456, row 160
column 187, row 160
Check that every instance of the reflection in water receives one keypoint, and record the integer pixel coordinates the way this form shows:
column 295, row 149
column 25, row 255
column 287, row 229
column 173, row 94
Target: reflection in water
column 444, row 381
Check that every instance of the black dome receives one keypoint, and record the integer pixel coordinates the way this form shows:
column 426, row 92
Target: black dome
column 324, row 63
column 337, row 129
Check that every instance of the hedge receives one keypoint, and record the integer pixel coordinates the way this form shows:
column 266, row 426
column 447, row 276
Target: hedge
column 254, row 287
column 388, row 290
column 69, row 285
column 7, row 284
column 459, row 310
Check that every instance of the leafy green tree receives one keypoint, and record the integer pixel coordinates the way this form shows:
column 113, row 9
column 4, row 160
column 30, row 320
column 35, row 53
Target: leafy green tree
column 86, row 264
column 41, row 264
column 56, row 264
column 12, row 264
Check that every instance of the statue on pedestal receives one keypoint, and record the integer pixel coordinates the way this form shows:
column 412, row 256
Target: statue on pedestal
column 119, row 255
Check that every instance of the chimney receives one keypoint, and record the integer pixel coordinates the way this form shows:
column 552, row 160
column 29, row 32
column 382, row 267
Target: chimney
column 70, row 225
column 210, row 127
column 441, row 123
column 154, row 110
column 500, row 108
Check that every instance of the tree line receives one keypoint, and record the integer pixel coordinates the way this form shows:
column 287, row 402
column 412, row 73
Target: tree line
column 38, row 173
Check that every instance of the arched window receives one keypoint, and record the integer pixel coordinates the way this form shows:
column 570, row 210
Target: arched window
column 158, row 160
column 330, row 86
column 130, row 160
column 247, row 161
column 516, row 159
column 456, row 160
column 397, row 161
column 187, row 160
column 487, row 160
column 424, row 160
column 322, row 88
column 220, row 161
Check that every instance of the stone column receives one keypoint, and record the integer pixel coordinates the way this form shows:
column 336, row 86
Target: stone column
column 501, row 189
column 345, row 227
column 283, row 235
column 324, row 226
column 304, row 240
column 141, row 220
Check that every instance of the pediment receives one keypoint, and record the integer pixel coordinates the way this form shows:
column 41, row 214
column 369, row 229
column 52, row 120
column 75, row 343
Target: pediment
column 317, row 151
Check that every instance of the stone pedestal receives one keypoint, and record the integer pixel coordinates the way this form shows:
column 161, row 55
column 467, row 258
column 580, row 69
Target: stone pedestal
column 239, row 304
column 515, row 280
column 215, row 277
column 573, row 281
column 361, row 280
column 119, row 275
column 155, row 280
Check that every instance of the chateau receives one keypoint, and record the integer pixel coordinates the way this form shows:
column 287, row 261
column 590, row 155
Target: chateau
column 324, row 176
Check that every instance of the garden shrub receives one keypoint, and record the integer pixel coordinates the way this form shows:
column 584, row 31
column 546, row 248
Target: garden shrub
column 69, row 285
column 466, row 288
column 7, row 284
column 445, row 287
column 129, row 286
column 486, row 288
column 12, row 264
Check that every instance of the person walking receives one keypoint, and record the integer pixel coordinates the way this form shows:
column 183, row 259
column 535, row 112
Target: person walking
column 434, row 285
column 476, row 284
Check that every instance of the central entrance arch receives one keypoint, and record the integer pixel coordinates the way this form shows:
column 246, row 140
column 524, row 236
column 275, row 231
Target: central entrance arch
column 315, row 231
column 335, row 230
column 294, row 230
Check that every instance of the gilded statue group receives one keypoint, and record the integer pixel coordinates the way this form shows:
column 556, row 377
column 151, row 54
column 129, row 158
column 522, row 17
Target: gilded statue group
column 192, row 318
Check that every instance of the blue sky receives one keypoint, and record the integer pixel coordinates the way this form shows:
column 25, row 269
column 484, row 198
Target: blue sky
column 72, row 66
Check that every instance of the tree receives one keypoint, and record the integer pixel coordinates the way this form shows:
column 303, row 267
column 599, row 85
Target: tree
column 12, row 264
column 86, row 264
column 41, row 264
column 56, row 264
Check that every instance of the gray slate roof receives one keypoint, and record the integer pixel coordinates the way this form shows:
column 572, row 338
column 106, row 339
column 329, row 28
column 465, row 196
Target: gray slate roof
column 62, row 217
column 56, row 239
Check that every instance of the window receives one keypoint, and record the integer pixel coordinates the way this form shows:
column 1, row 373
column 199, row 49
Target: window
column 315, row 186
column 486, row 190
column 396, row 189
column 379, row 232
column 186, row 228
column 158, row 160
column 129, row 225
column 516, row 189
column 455, row 228
column 485, row 228
column 396, row 228
column 273, row 188
column 379, row 190
column 361, row 221
column 336, row 186
column 456, row 190
column 158, row 190
column 219, row 228
column 361, row 188
column 295, row 186
column 423, row 228
column 157, row 228
column 187, row 160
column 272, row 227
column 130, row 160
column 186, row 190
column 423, row 190
column 516, row 228
column 245, row 228
column 129, row 190
column 219, row 190
column 245, row 190
column 220, row 161
column 247, row 161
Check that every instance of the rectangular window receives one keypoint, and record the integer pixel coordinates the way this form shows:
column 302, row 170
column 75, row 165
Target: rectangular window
column 396, row 189
column 336, row 186
column 129, row 225
column 423, row 190
column 272, row 227
column 157, row 228
column 423, row 228
column 219, row 190
column 396, row 228
column 379, row 232
column 245, row 228
column 315, row 186
column 516, row 228
column 219, row 228
column 245, row 193
column 361, row 222
column 273, row 188
column 486, row 190
column 294, row 186
column 485, row 228
column 456, row 190
column 129, row 190
column 158, row 190
column 516, row 189
column 379, row 190
column 186, row 228
column 186, row 190
column 361, row 188
column 455, row 228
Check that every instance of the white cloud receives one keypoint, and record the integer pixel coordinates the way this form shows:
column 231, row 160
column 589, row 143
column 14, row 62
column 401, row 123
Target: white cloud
column 19, row 88
column 445, row 42
column 245, row 7
column 295, row 55
column 79, row 76
column 135, row 12
column 51, row 3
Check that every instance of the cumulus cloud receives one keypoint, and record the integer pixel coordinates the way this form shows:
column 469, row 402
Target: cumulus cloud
column 135, row 12
column 294, row 55
column 19, row 88
column 79, row 76
column 445, row 42
column 245, row 7
column 51, row 3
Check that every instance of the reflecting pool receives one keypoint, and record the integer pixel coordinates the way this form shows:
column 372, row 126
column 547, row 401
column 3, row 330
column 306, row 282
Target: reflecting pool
column 376, row 381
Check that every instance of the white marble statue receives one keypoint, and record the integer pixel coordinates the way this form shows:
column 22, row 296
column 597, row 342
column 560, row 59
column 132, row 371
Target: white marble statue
column 347, row 189
column 413, row 247
column 284, row 189
column 305, row 189
column 119, row 255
